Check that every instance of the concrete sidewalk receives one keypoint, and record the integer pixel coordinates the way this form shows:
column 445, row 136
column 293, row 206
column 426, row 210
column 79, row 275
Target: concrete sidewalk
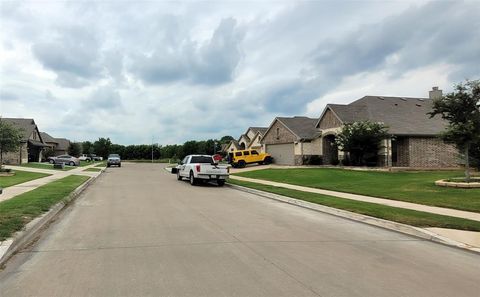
column 15, row 190
column 394, row 203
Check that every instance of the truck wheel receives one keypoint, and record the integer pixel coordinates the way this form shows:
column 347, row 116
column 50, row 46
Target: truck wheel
column 193, row 180
column 268, row 160
column 51, row 161
column 179, row 177
column 220, row 183
column 71, row 164
column 242, row 164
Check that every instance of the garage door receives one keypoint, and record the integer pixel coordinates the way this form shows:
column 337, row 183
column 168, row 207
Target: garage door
column 282, row 153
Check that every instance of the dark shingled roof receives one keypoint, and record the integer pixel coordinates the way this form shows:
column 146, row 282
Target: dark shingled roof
column 26, row 126
column 47, row 138
column 303, row 127
column 262, row 130
column 63, row 144
column 403, row 116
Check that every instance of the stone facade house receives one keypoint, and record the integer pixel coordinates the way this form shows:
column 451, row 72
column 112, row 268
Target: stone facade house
column 256, row 135
column 32, row 145
column 292, row 140
column 251, row 139
column 414, row 140
column 232, row 146
column 59, row 145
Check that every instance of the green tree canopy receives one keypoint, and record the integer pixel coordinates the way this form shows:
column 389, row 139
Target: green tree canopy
column 75, row 149
column 461, row 109
column 102, row 147
column 361, row 140
column 10, row 138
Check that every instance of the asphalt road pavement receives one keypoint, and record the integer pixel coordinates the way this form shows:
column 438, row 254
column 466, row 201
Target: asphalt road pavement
column 137, row 231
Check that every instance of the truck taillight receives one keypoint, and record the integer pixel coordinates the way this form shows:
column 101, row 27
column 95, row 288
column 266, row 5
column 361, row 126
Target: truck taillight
column 197, row 168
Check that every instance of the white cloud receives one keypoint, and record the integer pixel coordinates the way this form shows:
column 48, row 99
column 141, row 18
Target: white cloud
column 195, row 70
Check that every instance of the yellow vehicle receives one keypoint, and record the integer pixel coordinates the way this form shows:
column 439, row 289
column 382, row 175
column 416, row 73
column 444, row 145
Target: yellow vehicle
column 241, row 158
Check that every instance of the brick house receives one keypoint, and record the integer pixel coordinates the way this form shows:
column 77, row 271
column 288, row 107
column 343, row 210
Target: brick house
column 414, row 141
column 32, row 145
column 292, row 140
column 256, row 135
column 59, row 145
column 251, row 139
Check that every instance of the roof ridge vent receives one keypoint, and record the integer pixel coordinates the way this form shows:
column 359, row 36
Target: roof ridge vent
column 403, row 98
column 381, row 98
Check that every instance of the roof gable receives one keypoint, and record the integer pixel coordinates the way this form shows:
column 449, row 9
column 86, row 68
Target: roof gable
column 26, row 126
column 402, row 115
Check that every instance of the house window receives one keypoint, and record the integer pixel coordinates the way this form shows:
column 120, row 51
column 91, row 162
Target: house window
column 278, row 133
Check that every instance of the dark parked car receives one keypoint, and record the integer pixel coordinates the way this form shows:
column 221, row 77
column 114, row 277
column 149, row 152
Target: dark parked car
column 114, row 159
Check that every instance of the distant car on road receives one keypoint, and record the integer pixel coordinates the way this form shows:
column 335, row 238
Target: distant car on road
column 201, row 168
column 67, row 159
column 114, row 159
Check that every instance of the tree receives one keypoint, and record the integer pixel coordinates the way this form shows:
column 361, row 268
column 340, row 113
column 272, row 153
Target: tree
column 361, row 140
column 102, row 147
column 226, row 139
column 10, row 138
column 87, row 147
column 75, row 149
column 461, row 109
column 49, row 152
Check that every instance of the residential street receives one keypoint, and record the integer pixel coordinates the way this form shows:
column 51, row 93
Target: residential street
column 137, row 231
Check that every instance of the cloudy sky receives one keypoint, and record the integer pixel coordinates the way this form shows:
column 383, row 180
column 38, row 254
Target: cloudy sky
column 175, row 71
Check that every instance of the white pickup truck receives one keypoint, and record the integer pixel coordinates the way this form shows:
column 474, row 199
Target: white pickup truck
column 201, row 168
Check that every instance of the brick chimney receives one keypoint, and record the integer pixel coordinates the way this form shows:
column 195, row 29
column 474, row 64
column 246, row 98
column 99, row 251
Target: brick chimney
column 435, row 93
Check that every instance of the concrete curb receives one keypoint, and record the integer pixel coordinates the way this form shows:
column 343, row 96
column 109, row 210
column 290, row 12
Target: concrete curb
column 398, row 227
column 22, row 238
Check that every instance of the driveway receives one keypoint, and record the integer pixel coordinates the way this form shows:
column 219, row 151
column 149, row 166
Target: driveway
column 138, row 232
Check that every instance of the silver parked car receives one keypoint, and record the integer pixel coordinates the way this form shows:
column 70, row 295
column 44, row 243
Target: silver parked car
column 114, row 159
column 67, row 159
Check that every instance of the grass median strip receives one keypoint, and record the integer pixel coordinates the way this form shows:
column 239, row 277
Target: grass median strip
column 416, row 187
column 19, row 177
column 16, row 212
column 399, row 215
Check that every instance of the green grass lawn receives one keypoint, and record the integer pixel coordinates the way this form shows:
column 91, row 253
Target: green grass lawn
column 86, row 163
column 93, row 169
column 400, row 215
column 15, row 213
column 416, row 187
column 101, row 164
column 45, row 166
column 19, row 177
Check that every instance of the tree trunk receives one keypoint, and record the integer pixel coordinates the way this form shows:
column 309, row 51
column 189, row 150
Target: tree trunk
column 467, row 163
